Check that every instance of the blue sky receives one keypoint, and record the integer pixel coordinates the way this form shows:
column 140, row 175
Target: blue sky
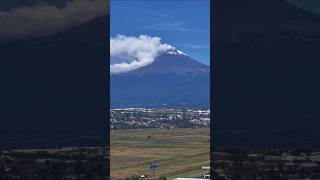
column 184, row 24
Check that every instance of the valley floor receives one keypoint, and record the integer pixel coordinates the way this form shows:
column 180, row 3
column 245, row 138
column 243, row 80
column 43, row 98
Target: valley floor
column 179, row 152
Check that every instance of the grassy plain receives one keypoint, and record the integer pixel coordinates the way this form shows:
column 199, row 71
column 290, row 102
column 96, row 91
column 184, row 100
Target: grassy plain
column 180, row 153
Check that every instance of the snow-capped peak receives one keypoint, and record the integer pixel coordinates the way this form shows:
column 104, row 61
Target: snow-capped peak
column 176, row 52
column 182, row 53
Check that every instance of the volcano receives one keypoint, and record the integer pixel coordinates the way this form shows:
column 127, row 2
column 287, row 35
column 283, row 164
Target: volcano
column 53, row 90
column 174, row 79
column 266, row 74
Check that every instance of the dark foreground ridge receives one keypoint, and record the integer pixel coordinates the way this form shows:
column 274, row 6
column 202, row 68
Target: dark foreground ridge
column 67, row 163
column 278, row 164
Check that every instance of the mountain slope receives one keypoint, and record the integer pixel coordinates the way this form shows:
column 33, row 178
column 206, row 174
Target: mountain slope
column 173, row 80
column 266, row 65
column 170, row 63
column 47, row 81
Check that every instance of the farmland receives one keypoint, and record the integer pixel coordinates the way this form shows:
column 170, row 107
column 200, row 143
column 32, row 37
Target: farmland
column 179, row 152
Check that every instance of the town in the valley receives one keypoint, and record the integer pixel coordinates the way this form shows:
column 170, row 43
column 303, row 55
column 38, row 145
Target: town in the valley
column 141, row 118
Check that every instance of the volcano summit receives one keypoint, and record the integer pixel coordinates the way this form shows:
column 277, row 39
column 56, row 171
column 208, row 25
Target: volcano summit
column 173, row 79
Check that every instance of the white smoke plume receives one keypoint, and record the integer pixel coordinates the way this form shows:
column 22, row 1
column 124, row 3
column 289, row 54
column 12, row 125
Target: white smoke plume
column 129, row 53
column 44, row 19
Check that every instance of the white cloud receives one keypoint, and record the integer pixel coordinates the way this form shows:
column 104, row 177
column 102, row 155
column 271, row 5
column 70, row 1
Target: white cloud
column 44, row 19
column 129, row 53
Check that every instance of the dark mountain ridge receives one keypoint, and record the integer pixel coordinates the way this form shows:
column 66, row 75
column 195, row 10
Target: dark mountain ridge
column 266, row 64
column 265, row 23
column 47, row 82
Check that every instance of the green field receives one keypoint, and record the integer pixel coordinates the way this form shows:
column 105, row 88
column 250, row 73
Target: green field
column 180, row 152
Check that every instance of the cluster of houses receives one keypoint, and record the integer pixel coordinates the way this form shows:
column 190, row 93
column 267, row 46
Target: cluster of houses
column 139, row 118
